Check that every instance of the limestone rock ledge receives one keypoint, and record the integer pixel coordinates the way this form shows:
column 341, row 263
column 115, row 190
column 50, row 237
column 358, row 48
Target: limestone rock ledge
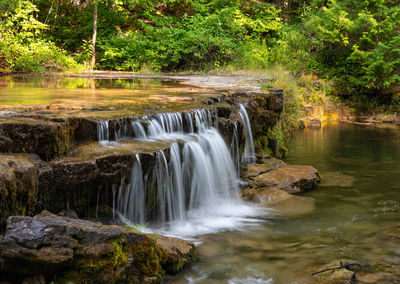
column 69, row 250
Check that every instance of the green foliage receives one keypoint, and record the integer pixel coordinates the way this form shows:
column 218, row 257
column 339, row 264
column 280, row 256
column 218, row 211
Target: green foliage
column 355, row 44
column 205, row 35
column 21, row 47
column 299, row 92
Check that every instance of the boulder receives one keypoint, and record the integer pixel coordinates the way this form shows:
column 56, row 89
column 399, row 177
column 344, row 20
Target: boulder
column 291, row 178
column 80, row 251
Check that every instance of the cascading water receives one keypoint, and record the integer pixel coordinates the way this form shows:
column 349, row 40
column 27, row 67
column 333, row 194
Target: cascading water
column 248, row 155
column 131, row 199
column 197, row 187
column 138, row 130
column 103, row 134
column 235, row 148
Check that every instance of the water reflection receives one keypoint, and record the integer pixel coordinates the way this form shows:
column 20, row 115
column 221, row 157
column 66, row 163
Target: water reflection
column 77, row 92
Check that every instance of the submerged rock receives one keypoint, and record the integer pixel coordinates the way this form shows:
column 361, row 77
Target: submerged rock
column 284, row 203
column 80, row 251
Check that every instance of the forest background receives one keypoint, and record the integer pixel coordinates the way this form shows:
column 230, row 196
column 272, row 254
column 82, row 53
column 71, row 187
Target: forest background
column 352, row 46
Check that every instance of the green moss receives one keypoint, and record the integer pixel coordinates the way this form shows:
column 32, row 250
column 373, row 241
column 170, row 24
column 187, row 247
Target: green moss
column 120, row 256
column 272, row 143
column 148, row 257
column 147, row 260
column 18, row 188
column 261, row 145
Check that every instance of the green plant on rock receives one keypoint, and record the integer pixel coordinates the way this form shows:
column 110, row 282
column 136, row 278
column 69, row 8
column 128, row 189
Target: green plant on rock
column 137, row 228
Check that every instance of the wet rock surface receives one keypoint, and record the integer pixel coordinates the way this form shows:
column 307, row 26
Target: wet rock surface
column 252, row 170
column 291, row 178
column 271, row 183
column 47, row 139
column 18, row 184
column 352, row 271
column 276, row 174
column 80, row 251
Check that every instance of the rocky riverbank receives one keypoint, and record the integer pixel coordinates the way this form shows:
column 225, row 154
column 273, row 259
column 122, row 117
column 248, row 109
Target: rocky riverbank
column 47, row 248
column 51, row 159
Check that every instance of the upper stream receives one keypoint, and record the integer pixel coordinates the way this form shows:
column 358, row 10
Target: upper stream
column 353, row 214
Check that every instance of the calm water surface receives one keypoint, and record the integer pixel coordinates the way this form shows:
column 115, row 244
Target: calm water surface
column 41, row 91
column 353, row 214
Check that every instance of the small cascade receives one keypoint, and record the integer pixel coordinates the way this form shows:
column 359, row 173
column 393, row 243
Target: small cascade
column 234, row 148
column 189, row 119
column 103, row 135
column 248, row 155
column 209, row 173
column 203, row 119
column 177, row 189
column 138, row 130
column 195, row 182
column 122, row 131
column 131, row 199
column 164, row 124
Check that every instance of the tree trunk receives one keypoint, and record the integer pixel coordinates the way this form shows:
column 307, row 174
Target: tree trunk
column 93, row 62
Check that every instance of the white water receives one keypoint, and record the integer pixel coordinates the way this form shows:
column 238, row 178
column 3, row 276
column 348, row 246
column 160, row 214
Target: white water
column 103, row 134
column 131, row 199
column 138, row 130
column 248, row 155
column 197, row 187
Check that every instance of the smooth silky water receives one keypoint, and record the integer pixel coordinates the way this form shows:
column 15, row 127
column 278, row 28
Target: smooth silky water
column 354, row 214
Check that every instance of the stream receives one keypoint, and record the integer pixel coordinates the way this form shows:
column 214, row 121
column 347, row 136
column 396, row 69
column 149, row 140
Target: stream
column 354, row 214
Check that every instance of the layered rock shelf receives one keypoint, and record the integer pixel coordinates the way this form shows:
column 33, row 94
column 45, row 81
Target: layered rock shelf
column 79, row 157
column 85, row 160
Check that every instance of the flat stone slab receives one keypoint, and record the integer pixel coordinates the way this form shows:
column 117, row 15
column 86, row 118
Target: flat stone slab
column 291, row 178
column 87, row 252
column 267, row 165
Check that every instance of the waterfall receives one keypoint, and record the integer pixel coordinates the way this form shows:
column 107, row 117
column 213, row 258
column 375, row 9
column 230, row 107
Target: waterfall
column 195, row 182
column 138, row 130
column 131, row 199
column 235, row 148
column 248, row 155
column 103, row 135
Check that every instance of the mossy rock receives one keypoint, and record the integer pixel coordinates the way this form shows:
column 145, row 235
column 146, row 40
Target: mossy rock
column 18, row 185
column 80, row 251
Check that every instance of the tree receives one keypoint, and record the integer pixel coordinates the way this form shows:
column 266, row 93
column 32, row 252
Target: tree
column 93, row 61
